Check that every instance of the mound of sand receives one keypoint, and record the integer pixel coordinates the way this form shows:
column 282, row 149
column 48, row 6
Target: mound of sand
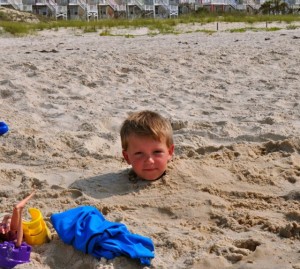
column 231, row 196
column 9, row 14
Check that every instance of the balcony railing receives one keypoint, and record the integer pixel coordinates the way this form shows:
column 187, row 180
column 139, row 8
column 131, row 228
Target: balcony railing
column 92, row 8
column 62, row 2
column 161, row 2
column 219, row 2
column 41, row 2
column 61, row 9
column 27, row 8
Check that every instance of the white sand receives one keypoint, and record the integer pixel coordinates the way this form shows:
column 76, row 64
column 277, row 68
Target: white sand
column 231, row 197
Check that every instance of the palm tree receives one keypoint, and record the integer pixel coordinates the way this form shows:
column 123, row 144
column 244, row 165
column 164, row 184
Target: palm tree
column 265, row 8
column 274, row 7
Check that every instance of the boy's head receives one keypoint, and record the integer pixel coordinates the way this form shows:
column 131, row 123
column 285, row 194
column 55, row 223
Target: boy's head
column 147, row 143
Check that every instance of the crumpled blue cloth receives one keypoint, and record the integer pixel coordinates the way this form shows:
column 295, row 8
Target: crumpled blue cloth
column 87, row 230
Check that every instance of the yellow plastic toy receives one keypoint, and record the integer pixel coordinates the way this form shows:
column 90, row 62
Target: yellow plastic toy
column 35, row 231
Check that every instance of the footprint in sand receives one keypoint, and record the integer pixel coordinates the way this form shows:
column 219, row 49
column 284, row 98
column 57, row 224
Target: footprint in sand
column 236, row 252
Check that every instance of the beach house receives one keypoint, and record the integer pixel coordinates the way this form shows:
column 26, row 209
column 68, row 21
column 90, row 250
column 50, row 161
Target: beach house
column 102, row 9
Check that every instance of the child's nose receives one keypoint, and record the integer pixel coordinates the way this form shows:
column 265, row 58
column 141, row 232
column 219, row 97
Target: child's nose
column 150, row 159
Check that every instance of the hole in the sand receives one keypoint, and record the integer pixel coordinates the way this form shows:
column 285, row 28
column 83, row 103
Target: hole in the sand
column 56, row 187
column 207, row 150
column 293, row 216
column 166, row 211
column 283, row 146
column 74, row 193
column 6, row 93
column 292, row 179
column 247, row 244
column 105, row 210
column 290, row 230
column 292, row 195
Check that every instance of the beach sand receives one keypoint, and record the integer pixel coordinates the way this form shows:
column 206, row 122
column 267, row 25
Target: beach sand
column 231, row 195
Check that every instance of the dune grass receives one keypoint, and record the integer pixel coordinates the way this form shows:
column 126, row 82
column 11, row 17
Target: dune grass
column 243, row 30
column 162, row 26
column 16, row 28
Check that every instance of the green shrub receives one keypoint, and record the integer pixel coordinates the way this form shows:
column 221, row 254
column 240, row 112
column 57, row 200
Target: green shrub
column 291, row 27
column 238, row 30
column 129, row 36
column 3, row 16
column 105, row 33
column 90, row 29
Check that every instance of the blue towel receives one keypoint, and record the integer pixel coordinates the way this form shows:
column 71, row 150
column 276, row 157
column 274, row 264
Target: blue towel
column 87, row 230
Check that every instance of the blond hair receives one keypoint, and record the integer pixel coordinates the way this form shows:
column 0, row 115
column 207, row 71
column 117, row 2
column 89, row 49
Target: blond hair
column 146, row 123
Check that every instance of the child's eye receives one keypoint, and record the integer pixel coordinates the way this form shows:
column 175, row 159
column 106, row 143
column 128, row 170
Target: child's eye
column 158, row 152
column 138, row 153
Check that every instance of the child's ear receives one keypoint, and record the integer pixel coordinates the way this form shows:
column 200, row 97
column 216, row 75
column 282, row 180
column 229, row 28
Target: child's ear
column 125, row 155
column 171, row 151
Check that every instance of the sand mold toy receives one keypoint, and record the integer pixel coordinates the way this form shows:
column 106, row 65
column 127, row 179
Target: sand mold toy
column 3, row 128
column 36, row 231
column 10, row 255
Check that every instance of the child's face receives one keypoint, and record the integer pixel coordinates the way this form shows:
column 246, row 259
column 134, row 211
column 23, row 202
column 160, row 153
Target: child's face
column 148, row 157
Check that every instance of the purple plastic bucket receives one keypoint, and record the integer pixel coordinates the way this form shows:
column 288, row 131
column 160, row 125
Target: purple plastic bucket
column 10, row 255
column 3, row 128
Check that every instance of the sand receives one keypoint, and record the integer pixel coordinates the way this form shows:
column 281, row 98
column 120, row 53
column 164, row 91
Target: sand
column 231, row 195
